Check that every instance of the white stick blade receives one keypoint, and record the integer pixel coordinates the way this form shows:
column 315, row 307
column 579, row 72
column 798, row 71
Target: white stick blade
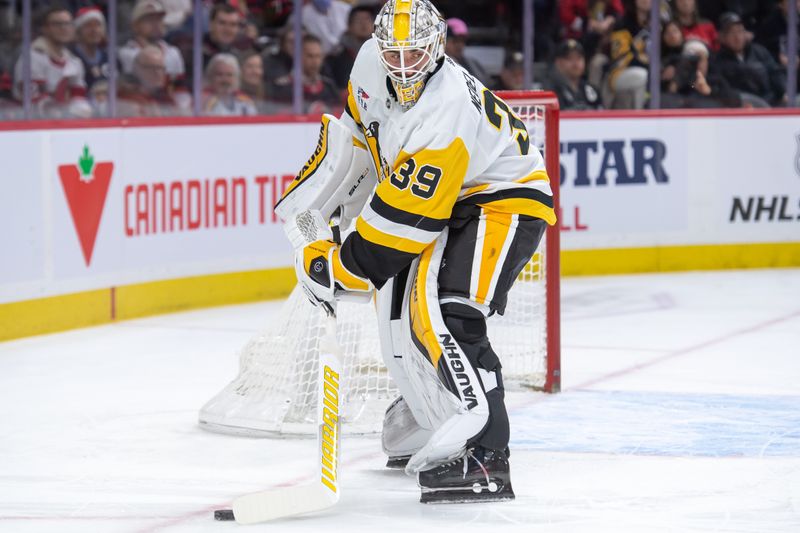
column 283, row 502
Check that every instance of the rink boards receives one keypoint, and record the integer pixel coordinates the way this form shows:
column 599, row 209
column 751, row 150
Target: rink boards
column 122, row 219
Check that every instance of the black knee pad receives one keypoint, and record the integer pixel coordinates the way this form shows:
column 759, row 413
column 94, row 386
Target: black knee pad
column 468, row 327
column 464, row 322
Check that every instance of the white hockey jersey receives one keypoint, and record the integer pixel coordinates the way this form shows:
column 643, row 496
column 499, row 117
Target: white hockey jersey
column 60, row 80
column 459, row 145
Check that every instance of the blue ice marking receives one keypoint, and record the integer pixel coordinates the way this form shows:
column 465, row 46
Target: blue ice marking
column 655, row 423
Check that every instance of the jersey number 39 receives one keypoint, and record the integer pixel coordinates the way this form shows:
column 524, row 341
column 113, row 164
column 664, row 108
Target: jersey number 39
column 426, row 179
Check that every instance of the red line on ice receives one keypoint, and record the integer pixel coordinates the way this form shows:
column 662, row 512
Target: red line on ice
column 687, row 350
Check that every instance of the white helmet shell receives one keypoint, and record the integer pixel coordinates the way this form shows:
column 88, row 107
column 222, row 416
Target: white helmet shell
column 410, row 35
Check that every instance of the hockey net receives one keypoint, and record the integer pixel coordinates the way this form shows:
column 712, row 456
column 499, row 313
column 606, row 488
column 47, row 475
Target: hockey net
column 275, row 391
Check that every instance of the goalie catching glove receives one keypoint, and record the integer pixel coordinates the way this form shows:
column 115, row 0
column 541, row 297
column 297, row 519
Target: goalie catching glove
column 324, row 278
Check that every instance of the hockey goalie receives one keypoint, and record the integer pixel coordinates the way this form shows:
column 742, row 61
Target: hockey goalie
column 426, row 196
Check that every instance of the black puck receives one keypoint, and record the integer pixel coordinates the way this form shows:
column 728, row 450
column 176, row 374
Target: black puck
column 223, row 514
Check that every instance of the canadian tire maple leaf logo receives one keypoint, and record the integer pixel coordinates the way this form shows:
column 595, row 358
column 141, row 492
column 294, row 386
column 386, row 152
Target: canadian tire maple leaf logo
column 86, row 186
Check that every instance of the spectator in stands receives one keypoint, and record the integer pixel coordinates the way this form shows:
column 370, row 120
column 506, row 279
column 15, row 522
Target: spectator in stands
column 590, row 23
column 567, row 78
column 224, row 25
column 59, row 88
column 90, row 32
column 10, row 38
column 672, row 40
column 327, row 20
column 750, row 11
column 222, row 94
column 98, row 98
column 584, row 18
column 146, row 91
column 626, row 87
column 9, row 109
column 275, row 13
column 177, row 15
column 253, row 84
column 319, row 92
column 148, row 30
column 773, row 31
column 278, row 64
column 512, row 77
column 692, row 26
column 671, row 51
column 546, row 27
column 690, row 84
column 748, row 67
column 457, row 36
column 360, row 25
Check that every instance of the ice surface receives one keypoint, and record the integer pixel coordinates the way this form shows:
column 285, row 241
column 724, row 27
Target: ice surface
column 680, row 412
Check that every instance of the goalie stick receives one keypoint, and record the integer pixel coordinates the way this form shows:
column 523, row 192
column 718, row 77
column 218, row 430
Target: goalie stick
column 324, row 491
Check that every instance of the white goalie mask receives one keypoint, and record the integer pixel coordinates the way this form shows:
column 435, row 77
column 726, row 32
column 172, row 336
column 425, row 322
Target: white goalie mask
column 410, row 36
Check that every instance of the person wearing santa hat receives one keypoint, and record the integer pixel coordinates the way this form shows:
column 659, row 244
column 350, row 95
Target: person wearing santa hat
column 89, row 46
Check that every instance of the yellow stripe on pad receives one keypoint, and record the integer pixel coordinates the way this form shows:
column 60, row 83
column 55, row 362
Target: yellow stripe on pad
column 316, row 158
column 420, row 316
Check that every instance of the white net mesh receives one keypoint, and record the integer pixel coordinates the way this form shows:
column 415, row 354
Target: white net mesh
column 275, row 391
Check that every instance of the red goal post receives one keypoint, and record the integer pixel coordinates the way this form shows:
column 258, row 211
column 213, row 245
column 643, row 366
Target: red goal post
column 548, row 102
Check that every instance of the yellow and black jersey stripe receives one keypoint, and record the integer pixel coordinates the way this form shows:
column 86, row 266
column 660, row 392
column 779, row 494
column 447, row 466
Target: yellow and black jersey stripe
column 368, row 260
column 385, row 224
column 408, row 211
column 515, row 200
column 530, row 196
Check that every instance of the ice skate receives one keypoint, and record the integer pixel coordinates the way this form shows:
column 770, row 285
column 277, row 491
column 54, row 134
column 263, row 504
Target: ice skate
column 480, row 476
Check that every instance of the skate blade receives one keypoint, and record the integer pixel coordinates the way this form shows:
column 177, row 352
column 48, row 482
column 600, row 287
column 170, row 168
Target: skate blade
column 397, row 463
column 461, row 495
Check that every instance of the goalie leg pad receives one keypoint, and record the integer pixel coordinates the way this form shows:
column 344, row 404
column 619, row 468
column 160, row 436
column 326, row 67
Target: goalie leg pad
column 468, row 326
column 445, row 385
column 402, row 436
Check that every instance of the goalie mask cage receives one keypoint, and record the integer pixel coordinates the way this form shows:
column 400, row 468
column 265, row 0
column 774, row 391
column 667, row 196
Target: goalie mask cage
column 275, row 391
